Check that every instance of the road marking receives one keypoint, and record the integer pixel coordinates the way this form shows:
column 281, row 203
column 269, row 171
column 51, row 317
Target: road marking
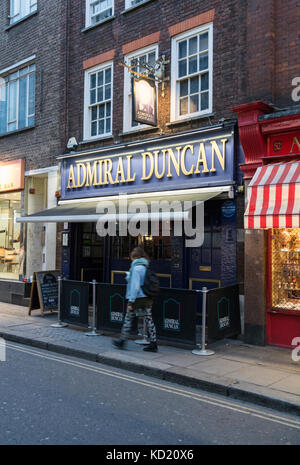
column 174, row 390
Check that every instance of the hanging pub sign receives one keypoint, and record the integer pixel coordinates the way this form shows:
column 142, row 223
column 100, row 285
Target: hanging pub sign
column 144, row 101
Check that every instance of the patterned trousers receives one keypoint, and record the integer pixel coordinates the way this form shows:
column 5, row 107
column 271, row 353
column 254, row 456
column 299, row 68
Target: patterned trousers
column 142, row 307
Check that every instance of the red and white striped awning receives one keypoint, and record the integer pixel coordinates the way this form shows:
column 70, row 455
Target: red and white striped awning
column 274, row 197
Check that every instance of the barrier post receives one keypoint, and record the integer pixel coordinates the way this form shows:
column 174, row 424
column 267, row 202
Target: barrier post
column 59, row 324
column 203, row 351
column 143, row 341
column 93, row 332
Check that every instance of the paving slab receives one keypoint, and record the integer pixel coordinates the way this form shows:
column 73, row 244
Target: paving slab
column 218, row 367
column 261, row 376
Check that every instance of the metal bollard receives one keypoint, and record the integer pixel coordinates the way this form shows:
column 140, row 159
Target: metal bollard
column 93, row 332
column 203, row 351
column 59, row 324
column 143, row 341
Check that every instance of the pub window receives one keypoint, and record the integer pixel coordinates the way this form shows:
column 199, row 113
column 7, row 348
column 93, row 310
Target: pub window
column 157, row 247
column 98, row 11
column 98, row 101
column 147, row 55
column 191, row 74
column 21, row 8
column 17, row 100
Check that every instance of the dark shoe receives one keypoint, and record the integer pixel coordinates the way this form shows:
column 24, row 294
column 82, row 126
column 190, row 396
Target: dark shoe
column 119, row 343
column 152, row 347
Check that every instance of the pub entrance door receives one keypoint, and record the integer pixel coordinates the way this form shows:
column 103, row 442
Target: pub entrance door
column 88, row 253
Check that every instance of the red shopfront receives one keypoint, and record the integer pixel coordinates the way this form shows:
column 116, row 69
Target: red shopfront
column 271, row 141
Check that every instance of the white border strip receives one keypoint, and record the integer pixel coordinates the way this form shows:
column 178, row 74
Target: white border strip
column 17, row 65
column 172, row 193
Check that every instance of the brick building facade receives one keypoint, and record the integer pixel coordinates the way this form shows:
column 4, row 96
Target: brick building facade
column 220, row 55
column 33, row 128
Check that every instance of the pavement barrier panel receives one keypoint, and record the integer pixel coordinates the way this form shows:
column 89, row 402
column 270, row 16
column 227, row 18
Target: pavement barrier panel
column 174, row 312
column 111, row 306
column 223, row 312
column 75, row 302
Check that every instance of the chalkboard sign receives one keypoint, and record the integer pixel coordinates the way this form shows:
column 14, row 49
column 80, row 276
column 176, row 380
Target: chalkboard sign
column 44, row 291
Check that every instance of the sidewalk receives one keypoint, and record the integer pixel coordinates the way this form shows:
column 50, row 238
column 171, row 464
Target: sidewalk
column 263, row 375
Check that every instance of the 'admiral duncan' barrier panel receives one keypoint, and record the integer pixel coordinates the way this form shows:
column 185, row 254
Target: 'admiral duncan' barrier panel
column 75, row 302
column 223, row 312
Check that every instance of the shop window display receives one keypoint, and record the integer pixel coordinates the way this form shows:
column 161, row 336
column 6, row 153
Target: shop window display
column 286, row 269
column 10, row 247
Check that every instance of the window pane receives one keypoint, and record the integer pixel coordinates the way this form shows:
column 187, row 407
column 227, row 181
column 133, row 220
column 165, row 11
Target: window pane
column 184, row 106
column 94, row 113
column 12, row 101
column 3, row 109
column 101, row 111
column 108, row 75
column 101, row 127
column 194, row 86
column 151, row 59
column 107, row 124
column 108, row 109
column 182, row 50
column 31, row 99
column 194, row 103
column 193, row 45
column 182, row 68
column 184, row 88
column 193, row 65
column 204, row 81
column 204, row 101
column 203, row 63
column 92, row 97
column 22, row 102
column 23, row 71
column 203, row 42
column 100, row 78
column 31, row 121
column 100, row 94
column 107, row 92
column 93, row 81
column 94, row 129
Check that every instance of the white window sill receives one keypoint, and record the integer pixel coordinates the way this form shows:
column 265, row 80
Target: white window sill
column 133, row 7
column 106, row 20
column 21, row 20
column 138, row 130
column 17, row 131
column 95, row 139
column 190, row 118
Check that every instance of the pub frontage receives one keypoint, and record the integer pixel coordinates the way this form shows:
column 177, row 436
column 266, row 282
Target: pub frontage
column 196, row 166
column 271, row 142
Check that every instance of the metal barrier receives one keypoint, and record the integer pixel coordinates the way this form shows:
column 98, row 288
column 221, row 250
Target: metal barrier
column 174, row 311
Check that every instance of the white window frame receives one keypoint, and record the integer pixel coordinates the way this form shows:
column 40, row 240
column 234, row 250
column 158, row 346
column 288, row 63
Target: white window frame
column 21, row 8
column 87, row 111
column 175, row 116
column 127, row 107
column 6, row 82
column 133, row 3
column 88, row 14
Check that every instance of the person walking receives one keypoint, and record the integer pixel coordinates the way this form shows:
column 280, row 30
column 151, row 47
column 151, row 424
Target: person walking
column 137, row 301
